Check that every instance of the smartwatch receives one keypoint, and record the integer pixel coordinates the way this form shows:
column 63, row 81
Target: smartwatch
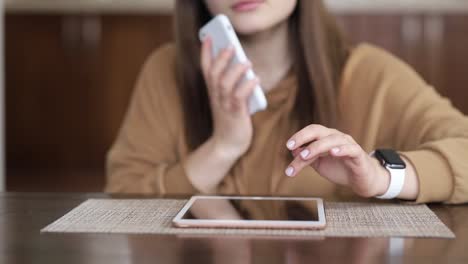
column 392, row 161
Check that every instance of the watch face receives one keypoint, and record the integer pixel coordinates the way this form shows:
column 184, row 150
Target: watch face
column 390, row 158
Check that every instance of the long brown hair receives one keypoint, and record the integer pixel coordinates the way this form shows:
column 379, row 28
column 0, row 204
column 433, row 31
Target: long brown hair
column 319, row 52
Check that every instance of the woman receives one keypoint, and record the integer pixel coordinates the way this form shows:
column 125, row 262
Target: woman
column 188, row 130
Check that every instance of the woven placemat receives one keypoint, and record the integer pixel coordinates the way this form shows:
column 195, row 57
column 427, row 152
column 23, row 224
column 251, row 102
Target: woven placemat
column 154, row 216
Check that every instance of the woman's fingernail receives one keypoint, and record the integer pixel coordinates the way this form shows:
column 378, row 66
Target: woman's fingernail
column 291, row 144
column 335, row 150
column 305, row 153
column 289, row 171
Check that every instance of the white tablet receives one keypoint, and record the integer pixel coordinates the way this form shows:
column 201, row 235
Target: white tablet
column 252, row 212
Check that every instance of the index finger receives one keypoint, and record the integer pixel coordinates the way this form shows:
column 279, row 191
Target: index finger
column 308, row 134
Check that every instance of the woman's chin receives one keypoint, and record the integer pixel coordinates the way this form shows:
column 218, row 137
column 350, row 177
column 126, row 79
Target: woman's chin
column 246, row 33
column 245, row 29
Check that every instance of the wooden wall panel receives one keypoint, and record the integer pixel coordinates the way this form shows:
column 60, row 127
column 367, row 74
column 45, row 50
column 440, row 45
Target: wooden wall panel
column 454, row 67
column 51, row 92
column 68, row 83
column 127, row 43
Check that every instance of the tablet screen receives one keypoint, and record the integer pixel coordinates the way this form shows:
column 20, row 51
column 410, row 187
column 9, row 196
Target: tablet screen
column 266, row 209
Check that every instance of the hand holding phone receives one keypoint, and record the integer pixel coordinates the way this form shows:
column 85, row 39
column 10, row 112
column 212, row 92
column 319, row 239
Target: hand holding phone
column 222, row 34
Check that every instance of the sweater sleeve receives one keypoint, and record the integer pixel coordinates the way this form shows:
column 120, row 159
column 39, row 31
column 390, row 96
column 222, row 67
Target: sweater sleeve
column 407, row 114
column 434, row 137
column 145, row 159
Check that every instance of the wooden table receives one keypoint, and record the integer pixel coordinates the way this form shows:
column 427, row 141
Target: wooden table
column 22, row 215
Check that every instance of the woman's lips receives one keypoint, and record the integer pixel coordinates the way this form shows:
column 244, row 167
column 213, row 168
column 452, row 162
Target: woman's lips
column 244, row 6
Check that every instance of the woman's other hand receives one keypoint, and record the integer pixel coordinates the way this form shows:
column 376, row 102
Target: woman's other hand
column 337, row 157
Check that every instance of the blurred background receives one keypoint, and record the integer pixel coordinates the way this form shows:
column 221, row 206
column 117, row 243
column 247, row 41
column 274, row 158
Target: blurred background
column 70, row 67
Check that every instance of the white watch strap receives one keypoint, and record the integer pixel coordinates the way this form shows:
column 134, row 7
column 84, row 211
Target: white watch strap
column 397, row 179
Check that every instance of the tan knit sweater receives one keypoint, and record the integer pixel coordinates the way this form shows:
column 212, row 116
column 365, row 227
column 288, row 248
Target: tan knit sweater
column 382, row 103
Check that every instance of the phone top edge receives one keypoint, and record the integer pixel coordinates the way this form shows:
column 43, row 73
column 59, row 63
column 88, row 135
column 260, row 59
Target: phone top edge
column 220, row 18
column 223, row 18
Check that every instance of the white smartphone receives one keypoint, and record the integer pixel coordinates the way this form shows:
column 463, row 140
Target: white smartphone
column 223, row 35
column 252, row 212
